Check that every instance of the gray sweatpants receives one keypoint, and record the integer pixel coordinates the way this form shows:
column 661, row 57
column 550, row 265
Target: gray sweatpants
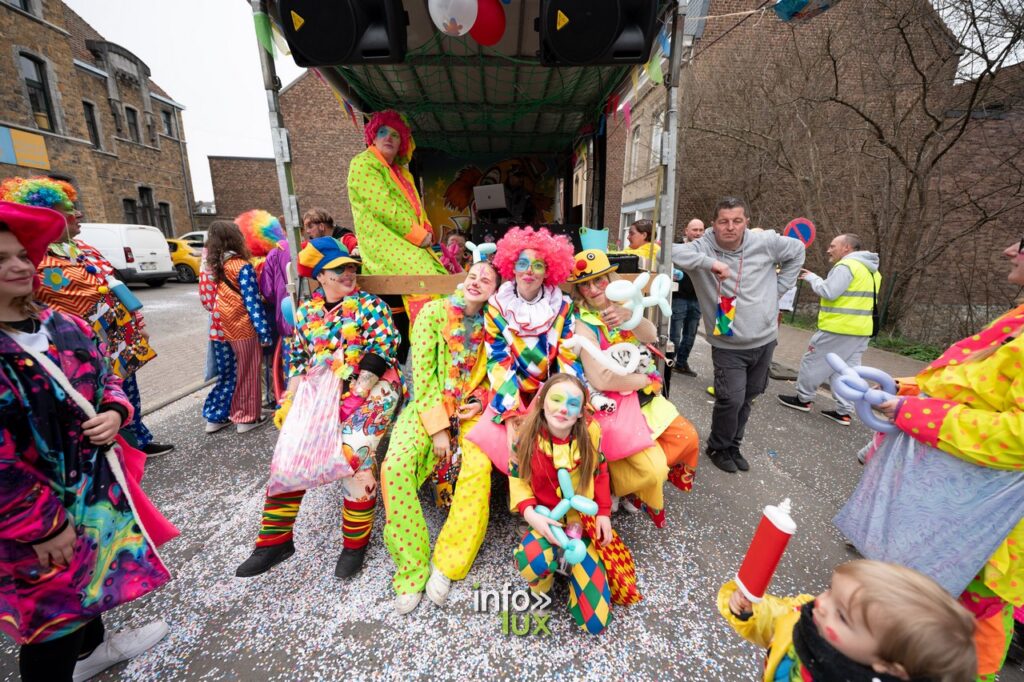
column 814, row 369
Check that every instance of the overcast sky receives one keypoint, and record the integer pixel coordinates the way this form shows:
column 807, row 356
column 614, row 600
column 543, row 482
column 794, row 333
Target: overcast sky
column 203, row 53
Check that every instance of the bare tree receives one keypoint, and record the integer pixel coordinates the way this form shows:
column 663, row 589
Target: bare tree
column 856, row 118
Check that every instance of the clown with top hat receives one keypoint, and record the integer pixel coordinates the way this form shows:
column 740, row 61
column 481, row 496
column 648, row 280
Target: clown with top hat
column 639, row 459
column 348, row 334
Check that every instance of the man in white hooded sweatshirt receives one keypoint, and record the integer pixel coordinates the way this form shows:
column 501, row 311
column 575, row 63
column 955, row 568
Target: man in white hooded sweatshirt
column 738, row 276
column 845, row 322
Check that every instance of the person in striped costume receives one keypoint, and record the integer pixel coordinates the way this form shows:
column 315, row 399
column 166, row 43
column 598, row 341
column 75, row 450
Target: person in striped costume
column 351, row 332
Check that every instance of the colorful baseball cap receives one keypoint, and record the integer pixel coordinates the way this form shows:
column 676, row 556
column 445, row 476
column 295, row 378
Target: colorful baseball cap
column 590, row 264
column 323, row 253
column 36, row 227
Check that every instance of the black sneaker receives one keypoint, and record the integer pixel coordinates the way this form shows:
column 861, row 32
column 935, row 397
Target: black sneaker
column 263, row 559
column 795, row 402
column 723, row 460
column 739, row 460
column 350, row 562
column 157, row 449
column 843, row 419
column 685, row 369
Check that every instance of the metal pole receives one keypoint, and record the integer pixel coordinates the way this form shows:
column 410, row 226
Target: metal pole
column 282, row 155
column 670, row 159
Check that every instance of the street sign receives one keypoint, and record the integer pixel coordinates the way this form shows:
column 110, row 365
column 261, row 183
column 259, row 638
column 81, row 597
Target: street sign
column 802, row 229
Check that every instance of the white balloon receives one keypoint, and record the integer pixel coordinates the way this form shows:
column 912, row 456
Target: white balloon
column 453, row 17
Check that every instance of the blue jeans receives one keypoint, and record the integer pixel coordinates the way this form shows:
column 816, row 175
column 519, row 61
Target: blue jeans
column 683, row 331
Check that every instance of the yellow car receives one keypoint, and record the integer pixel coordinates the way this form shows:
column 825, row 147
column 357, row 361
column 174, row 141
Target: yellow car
column 185, row 256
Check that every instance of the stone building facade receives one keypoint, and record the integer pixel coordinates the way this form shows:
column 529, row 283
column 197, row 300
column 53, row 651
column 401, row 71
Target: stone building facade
column 78, row 107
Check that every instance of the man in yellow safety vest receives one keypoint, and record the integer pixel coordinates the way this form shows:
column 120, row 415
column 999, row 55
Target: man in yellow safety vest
column 845, row 321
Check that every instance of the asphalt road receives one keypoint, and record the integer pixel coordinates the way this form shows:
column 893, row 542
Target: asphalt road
column 299, row 622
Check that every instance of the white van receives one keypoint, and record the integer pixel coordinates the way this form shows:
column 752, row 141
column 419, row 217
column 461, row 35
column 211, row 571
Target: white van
column 139, row 253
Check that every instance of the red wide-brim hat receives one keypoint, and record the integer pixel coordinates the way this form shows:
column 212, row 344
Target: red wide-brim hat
column 34, row 226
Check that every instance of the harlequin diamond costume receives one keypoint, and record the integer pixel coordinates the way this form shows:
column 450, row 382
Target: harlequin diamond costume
column 77, row 279
column 350, row 337
column 389, row 218
column 449, row 371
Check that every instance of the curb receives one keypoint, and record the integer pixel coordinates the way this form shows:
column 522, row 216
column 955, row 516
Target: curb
column 188, row 390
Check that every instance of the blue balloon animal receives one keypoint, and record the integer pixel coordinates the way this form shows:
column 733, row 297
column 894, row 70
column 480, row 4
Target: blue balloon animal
column 852, row 384
column 574, row 549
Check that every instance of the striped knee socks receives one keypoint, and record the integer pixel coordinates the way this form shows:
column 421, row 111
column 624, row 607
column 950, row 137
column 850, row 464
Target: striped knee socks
column 279, row 512
column 357, row 521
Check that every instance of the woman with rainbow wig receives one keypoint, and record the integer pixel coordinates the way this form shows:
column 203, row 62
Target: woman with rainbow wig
column 76, row 278
column 390, row 221
column 525, row 325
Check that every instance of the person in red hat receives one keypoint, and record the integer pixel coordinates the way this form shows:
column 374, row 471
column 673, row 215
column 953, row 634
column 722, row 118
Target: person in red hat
column 67, row 503
column 345, row 334
column 75, row 278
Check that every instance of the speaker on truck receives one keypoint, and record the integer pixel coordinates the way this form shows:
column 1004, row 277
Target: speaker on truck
column 579, row 32
column 331, row 32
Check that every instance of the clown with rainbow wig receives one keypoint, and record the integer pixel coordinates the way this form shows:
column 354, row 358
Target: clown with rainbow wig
column 390, row 221
column 75, row 278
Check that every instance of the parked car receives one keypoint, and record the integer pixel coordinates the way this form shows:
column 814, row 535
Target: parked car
column 186, row 258
column 139, row 253
column 197, row 236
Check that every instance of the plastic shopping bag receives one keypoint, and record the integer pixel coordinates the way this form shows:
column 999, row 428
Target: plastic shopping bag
column 309, row 449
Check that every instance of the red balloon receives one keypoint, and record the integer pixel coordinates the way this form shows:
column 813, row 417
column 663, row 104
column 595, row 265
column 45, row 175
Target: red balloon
column 490, row 23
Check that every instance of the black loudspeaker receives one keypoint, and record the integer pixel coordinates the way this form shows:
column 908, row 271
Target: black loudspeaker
column 579, row 32
column 332, row 32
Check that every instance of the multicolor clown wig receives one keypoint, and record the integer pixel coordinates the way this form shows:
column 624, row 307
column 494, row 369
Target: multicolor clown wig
column 398, row 122
column 262, row 231
column 555, row 250
column 40, row 191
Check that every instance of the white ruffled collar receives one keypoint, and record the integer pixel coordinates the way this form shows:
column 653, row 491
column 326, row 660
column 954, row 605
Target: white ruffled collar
column 528, row 318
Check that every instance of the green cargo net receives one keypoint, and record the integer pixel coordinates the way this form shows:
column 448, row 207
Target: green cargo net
column 461, row 97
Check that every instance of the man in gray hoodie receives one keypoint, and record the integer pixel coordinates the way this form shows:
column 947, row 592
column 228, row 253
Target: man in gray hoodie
column 845, row 322
column 738, row 276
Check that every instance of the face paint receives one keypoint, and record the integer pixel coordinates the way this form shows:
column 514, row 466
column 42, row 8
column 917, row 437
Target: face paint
column 573, row 404
column 831, row 634
column 384, row 131
column 524, row 264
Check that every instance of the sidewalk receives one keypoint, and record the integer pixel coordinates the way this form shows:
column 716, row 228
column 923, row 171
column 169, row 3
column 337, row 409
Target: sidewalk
column 793, row 344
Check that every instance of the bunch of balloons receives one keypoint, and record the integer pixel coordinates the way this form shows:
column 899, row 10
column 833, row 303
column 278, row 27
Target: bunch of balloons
column 483, row 20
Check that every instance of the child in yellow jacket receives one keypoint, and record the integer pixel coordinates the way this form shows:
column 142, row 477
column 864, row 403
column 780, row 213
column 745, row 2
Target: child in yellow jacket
column 877, row 622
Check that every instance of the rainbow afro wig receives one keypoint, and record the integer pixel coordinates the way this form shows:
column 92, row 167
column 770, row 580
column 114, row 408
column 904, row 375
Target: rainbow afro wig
column 555, row 250
column 262, row 231
column 40, row 191
column 396, row 121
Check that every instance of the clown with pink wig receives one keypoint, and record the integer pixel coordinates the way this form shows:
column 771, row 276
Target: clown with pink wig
column 525, row 326
column 390, row 220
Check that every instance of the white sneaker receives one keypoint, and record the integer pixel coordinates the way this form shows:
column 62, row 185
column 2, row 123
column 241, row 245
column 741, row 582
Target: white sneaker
column 615, row 503
column 628, row 505
column 214, row 427
column 438, row 585
column 245, row 428
column 407, row 603
column 119, row 647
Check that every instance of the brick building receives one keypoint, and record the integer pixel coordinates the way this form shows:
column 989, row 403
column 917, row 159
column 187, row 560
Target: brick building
column 242, row 183
column 80, row 108
column 323, row 141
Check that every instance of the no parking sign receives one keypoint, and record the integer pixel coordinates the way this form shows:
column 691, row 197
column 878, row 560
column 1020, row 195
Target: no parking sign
column 802, row 229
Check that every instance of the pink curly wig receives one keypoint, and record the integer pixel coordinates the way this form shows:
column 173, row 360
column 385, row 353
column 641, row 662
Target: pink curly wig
column 262, row 231
column 555, row 250
column 396, row 121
